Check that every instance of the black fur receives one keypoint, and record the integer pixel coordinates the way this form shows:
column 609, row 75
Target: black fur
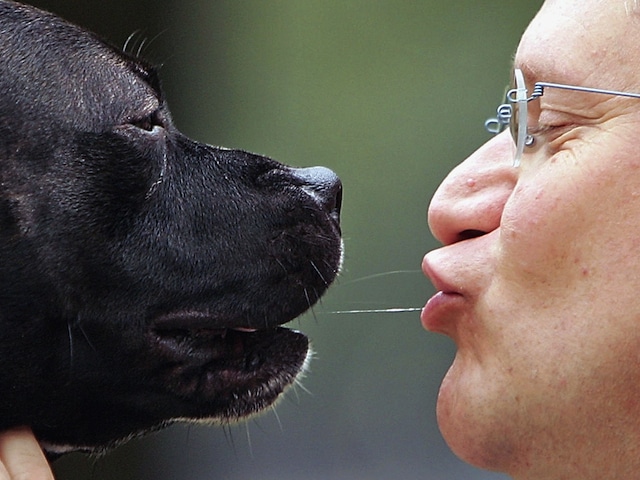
column 135, row 262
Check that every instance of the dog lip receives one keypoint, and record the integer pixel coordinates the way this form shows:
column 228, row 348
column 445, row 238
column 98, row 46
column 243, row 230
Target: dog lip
column 244, row 329
column 234, row 375
column 197, row 320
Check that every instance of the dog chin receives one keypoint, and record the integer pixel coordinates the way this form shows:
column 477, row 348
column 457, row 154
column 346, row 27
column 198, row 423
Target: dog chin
column 228, row 373
column 251, row 403
column 282, row 388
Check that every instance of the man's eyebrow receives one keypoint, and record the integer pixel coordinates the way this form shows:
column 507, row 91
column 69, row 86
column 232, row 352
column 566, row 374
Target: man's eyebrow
column 530, row 71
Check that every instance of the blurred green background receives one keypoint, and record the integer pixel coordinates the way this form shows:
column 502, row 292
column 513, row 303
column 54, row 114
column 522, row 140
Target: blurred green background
column 389, row 94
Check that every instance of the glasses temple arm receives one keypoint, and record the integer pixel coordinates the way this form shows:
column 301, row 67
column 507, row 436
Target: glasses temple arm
column 538, row 90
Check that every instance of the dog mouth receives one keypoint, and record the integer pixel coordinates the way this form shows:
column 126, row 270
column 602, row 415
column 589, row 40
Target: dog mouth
column 225, row 373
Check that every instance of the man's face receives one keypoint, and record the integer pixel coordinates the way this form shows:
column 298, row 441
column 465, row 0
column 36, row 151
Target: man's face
column 539, row 275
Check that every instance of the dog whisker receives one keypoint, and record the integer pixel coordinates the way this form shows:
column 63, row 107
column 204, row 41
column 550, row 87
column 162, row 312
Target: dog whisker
column 275, row 414
column 94, row 466
column 228, row 435
column 246, row 427
column 315, row 293
column 319, row 273
column 282, row 265
column 380, row 275
column 306, row 295
column 71, row 356
column 256, row 422
column 141, row 46
column 136, row 47
column 288, row 396
column 313, row 313
column 321, row 239
column 86, row 337
column 298, row 384
column 292, row 396
column 148, row 43
column 189, row 427
column 129, row 39
column 329, row 266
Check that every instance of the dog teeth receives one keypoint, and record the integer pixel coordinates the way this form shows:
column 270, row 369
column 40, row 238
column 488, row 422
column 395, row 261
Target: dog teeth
column 245, row 329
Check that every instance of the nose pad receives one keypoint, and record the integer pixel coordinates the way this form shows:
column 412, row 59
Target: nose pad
column 324, row 186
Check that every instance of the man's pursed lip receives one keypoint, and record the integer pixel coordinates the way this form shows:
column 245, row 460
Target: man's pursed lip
column 437, row 314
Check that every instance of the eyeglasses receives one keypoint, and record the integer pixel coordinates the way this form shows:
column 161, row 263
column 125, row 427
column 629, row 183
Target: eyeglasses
column 514, row 113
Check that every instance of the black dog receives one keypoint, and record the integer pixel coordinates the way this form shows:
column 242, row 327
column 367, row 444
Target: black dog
column 143, row 275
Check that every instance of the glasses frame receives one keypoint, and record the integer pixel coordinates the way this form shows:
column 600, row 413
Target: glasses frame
column 514, row 112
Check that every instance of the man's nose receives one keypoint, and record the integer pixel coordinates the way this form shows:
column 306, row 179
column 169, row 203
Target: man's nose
column 469, row 202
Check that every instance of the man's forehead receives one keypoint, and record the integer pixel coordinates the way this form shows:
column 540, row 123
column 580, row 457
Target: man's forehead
column 582, row 42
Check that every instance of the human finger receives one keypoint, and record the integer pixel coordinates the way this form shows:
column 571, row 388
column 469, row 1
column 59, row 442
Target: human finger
column 21, row 457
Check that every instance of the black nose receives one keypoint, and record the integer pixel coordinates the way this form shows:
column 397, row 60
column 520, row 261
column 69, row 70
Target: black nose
column 324, row 186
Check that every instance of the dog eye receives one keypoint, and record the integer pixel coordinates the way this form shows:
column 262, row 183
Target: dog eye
column 148, row 123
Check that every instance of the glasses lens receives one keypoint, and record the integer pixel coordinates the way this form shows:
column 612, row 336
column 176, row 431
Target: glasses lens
column 512, row 98
column 518, row 123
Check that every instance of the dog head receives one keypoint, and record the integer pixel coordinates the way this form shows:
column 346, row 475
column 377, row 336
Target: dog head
column 143, row 275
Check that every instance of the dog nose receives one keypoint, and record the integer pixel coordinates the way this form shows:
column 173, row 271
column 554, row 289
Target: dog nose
column 324, row 186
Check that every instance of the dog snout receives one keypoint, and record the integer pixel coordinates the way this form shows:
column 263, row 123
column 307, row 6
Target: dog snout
column 324, row 186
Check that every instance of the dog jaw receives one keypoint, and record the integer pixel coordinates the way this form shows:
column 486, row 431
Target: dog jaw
column 228, row 374
column 242, row 409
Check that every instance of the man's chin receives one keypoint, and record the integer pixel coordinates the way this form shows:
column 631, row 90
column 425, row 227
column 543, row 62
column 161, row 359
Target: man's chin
column 472, row 421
